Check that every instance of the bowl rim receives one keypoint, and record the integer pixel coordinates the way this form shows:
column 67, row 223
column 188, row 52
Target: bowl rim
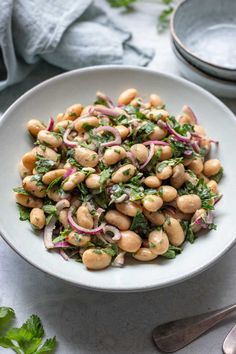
column 185, row 49
column 123, row 289
column 207, row 76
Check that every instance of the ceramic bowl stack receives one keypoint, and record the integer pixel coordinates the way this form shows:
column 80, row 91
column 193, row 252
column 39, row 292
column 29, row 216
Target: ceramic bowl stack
column 203, row 34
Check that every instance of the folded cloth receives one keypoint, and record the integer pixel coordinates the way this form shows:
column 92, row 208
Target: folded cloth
column 70, row 34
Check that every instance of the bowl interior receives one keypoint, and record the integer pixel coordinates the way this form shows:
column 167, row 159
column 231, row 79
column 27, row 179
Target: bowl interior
column 53, row 96
column 207, row 29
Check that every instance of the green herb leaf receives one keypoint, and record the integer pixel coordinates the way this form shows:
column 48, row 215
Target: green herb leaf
column 202, row 190
column 7, row 343
column 112, row 250
column 6, row 315
column 44, row 165
column 38, row 179
column 126, row 172
column 100, row 100
column 21, row 190
column 28, row 337
column 101, row 200
column 84, row 192
column 54, row 183
column 73, row 162
column 188, row 232
column 172, row 252
column 164, row 17
column 144, row 131
column 48, row 347
column 24, row 212
column 49, row 209
column 218, row 176
column 171, row 162
column 121, row 3
column 122, row 120
column 140, row 224
column 104, row 176
column 63, row 234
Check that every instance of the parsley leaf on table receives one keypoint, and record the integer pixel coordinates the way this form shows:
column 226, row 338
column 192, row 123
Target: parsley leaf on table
column 27, row 338
column 121, row 3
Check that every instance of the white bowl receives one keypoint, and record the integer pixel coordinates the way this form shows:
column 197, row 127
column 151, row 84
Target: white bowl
column 53, row 96
column 219, row 87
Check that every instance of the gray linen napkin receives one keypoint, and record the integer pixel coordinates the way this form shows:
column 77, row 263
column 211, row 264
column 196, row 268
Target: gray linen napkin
column 67, row 33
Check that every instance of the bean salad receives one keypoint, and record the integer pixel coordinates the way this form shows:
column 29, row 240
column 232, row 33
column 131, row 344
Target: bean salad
column 112, row 180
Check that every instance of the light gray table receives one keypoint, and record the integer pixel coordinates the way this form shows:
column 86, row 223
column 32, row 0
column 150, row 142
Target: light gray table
column 88, row 322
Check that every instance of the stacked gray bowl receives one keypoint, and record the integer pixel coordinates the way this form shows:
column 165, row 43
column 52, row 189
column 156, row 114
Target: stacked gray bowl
column 203, row 34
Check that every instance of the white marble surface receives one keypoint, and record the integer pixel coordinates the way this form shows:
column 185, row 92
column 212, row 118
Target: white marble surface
column 87, row 322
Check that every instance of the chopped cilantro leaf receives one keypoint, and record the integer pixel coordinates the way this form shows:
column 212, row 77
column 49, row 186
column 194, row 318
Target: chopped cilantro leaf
column 172, row 252
column 218, row 176
column 54, row 183
column 21, row 190
column 202, row 190
column 122, row 120
column 24, row 212
column 144, row 131
column 126, row 172
column 49, row 209
column 44, row 165
column 171, row 162
column 140, row 224
column 112, row 250
column 100, row 101
column 27, row 338
column 104, row 176
column 121, row 3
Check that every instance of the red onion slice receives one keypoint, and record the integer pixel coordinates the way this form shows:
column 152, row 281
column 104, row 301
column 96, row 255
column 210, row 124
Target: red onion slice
column 119, row 260
column 62, row 244
column 218, row 198
column 47, row 236
column 50, row 124
column 169, row 208
column 114, row 230
column 179, row 137
column 81, row 229
column 195, row 146
column 112, row 112
column 112, row 130
column 69, row 172
column 64, row 203
column 132, row 158
column 156, row 142
column 97, row 216
column 64, row 255
column 67, row 142
column 105, row 98
column 189, row 112
column 150, row 155
column 188, row 152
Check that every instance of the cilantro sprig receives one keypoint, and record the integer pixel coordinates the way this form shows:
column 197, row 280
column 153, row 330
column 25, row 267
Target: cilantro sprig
column 26, row 339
